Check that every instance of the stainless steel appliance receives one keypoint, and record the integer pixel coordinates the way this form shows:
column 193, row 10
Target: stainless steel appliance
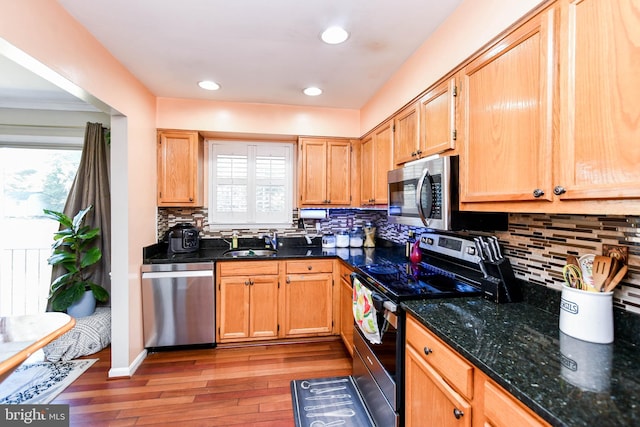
column 424, row 193
column 451, row 267
column 178, row 304
column 182, row 238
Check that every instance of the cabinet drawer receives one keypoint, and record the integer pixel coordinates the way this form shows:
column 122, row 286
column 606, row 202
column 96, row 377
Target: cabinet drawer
column 455, row 370
column 345, row 272
column 310, row 266
column 500, row 409
column 247, row 268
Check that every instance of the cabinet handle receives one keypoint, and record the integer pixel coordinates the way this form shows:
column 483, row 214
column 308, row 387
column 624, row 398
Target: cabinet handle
column 559, row 189
column 309, row 267
column 427, row 351
column 457, row 413
column 538, row 193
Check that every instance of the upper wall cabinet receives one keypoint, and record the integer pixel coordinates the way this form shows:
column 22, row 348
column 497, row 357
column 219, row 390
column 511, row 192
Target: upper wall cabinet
column 325, row 172
column 376, row 161
column 599, row 150
column 438, row 120
column 508, row 121
column 180, row 168
column 406, row 133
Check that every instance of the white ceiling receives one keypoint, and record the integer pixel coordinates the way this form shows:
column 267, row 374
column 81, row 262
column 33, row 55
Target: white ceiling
column 262, row 51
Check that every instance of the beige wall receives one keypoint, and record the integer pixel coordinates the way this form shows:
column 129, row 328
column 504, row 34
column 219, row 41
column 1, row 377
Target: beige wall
column 471, row 26
column 256, row 118
column 43, row 30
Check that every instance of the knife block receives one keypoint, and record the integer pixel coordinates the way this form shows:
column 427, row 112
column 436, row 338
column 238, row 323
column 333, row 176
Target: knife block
column 500, row 285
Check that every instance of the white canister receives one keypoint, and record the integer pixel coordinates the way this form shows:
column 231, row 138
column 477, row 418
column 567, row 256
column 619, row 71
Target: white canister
column 342, row 239
column 329, row 240
column 587, row 315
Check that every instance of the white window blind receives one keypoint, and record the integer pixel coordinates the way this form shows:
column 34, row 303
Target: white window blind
column 250, row 184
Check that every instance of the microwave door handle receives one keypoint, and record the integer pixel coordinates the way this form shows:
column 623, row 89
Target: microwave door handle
column 421, row 181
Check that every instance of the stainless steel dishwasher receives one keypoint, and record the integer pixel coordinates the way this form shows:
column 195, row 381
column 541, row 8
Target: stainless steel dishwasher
column 178, row 304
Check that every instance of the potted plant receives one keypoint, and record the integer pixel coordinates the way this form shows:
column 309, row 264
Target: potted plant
column 74, row 250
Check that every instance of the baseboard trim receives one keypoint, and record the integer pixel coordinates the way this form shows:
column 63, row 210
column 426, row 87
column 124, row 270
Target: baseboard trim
column 129, row 371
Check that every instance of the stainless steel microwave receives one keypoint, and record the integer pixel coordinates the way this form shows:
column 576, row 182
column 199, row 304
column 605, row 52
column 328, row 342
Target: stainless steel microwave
column 424, row 193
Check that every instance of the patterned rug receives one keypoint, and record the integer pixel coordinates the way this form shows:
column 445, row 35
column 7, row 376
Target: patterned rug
column 324, row 402
column 41, row 382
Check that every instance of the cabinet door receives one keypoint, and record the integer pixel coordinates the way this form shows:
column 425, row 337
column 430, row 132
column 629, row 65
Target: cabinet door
column 367, row 168
column 308, row 305
column 429, row 400
column 406, row 135
column 502, row 410
column 233, row 305
column 346, row 309
column 599, row 108
column 338, row 172
column 383, row 153
column 508, row 117
column 438, row 131
column 263, row 307
column 180, row 163
column 313, row 171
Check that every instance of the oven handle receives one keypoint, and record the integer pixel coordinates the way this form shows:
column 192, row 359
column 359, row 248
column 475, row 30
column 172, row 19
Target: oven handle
column 421, row 182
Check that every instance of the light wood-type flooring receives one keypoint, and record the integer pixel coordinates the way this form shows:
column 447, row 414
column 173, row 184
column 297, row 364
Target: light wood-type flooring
column 246, row 386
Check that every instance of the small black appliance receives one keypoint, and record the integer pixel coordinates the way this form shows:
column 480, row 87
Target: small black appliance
column 182, row 238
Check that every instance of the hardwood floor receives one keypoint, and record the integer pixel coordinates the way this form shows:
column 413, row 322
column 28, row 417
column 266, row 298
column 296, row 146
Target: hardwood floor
column 246, row 386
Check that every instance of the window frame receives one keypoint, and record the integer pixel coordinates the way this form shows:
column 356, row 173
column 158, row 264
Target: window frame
column 289, row 184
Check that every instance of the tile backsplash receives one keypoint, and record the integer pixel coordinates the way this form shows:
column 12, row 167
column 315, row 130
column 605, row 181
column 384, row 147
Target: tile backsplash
column 536, row 244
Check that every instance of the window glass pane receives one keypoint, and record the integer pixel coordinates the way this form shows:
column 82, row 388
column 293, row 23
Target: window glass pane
column 270, row 167
column 231, row 198
column 270, row 198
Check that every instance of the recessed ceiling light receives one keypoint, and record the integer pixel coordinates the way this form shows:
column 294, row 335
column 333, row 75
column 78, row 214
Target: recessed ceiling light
column 312, row 91
column 334, row 35
column 209, row 85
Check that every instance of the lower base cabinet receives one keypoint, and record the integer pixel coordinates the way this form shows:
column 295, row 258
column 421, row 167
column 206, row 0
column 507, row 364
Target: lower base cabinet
column 443, row 389
column 346, row 308
column 269, row 300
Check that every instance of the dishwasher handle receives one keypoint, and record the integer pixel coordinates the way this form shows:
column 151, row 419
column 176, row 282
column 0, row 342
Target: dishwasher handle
column 176, row 274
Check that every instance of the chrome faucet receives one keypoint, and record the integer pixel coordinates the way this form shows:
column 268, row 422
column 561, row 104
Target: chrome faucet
column 271, row 240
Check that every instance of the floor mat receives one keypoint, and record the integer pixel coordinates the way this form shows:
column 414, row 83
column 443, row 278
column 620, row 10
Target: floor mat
column 328, row 402
column 41, row 382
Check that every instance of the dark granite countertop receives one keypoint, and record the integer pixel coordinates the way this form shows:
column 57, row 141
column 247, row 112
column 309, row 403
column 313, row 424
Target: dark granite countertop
column 568, row 382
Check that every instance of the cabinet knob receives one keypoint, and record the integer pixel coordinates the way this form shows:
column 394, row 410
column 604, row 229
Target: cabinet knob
column 427, row 351
column 558, row 190
column 247, row 282
column 309, row 267
column 413, row 154
column 538, row 193
column 457, row 413
column 288, row 280
column 419, row 152
column 191, row 199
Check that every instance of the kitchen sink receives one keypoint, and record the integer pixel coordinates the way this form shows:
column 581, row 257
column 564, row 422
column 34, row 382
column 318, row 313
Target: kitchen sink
column 237, row 253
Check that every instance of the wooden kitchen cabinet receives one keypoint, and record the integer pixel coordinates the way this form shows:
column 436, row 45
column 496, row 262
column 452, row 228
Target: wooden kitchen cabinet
column 346, row 308
column 247, row 300
column 599, row 143
column 443, row 389
column 308, row 298
column 438, row 118
column 509, row 91
column 376, row 161
column 325, row 172
column 180, row 168
column 502, row 410
column 406, row 134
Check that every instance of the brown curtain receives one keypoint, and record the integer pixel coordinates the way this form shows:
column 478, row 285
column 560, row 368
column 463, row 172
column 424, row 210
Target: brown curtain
column 91, row 186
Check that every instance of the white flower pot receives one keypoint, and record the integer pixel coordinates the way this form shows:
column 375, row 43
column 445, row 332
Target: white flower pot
column 84, row 307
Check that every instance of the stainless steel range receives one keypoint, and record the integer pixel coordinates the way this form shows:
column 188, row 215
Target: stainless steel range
column 451, row 267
